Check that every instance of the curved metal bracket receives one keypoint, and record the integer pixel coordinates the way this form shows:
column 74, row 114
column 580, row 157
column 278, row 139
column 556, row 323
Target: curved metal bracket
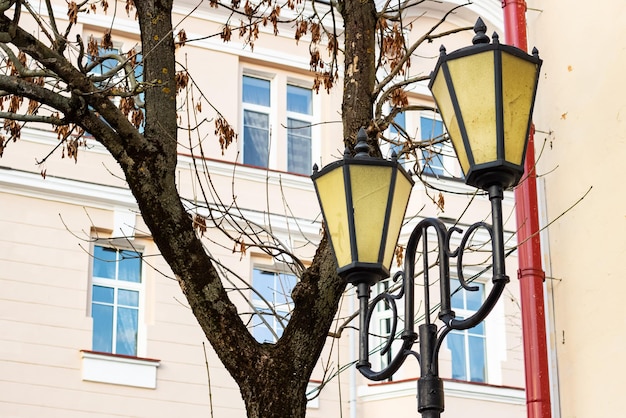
column 430, row 392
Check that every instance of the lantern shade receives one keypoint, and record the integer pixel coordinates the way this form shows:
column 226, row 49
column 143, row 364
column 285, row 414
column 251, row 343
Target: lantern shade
column 363, row 201
column 485, row 94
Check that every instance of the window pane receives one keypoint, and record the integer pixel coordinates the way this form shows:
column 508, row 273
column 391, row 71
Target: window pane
column 299, row 147
column 280, row 321
column 130, row 266
column 284, row 286
column 260, row 330
column 107, row 64
column 478, row 329
column 474, row 299
column 400, row 120
column 256, row 91
column 456, row 344
column 138, row 70
column 102, row 294
column 477, row 359
column 276, row 289
column 299, row 100
column 457, row 295
column 127, row 320
column 263, row 284
column 102, row 327
column 432, row 160
column 255, row 138
column 128, row 297
column 431, row 128
column 104, row 262
column 432, row 157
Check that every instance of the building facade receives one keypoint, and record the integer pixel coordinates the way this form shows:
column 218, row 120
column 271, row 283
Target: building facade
column 94, row 323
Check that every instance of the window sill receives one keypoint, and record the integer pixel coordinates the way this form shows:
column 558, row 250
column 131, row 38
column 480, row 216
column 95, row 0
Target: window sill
column 453, row 388
column 311, row 389
column 119, row 370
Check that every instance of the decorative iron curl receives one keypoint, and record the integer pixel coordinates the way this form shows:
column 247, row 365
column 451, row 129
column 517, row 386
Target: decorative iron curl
column 407, row 339
column 390, row 299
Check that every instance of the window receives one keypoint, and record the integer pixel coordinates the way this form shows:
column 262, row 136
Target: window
column 121, row 80
column 115, row 300
column 432, row 157
column 299, row 119
column 104, row 66
column 271, row 298
column 108, row 60
column 468, row 347
column 278, row 123
column 256, row 121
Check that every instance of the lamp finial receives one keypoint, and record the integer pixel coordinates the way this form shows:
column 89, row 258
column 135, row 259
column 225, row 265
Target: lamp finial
column 362, row 148
column 480, row 29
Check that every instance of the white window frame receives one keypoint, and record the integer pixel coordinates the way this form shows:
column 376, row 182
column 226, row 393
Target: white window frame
column 117, row 284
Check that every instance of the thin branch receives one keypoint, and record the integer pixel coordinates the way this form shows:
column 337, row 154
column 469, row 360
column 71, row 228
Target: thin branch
column 33, row 118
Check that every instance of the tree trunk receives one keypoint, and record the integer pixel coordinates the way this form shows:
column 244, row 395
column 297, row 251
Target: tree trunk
column 272, row 377
column 359, row 19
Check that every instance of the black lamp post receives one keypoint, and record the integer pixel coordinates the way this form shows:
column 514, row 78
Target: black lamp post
column 485, row 93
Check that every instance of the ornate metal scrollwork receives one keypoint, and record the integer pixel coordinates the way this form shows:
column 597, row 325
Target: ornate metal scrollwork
column 429, row 336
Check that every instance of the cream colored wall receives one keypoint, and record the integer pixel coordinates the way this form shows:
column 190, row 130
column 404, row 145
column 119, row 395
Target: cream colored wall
column 581, row 122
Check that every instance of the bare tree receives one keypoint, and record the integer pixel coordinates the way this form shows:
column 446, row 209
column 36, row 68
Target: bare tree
column 49, row 79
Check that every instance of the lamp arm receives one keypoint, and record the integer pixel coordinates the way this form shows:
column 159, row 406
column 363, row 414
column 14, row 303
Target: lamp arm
column 499, row 279
column 365, row 315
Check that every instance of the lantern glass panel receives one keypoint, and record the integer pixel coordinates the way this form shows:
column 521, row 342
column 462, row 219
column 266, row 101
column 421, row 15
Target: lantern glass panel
column 370, row 192
column 332, row 196
column 444, row 103
column 518, row 86
column 473, row 78
column 401, row 194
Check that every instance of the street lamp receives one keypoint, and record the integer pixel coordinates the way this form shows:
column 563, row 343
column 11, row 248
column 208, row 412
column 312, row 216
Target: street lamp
column 485, row 94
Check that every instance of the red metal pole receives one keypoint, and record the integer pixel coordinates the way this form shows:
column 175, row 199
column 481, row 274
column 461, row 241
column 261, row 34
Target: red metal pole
column 530, row 273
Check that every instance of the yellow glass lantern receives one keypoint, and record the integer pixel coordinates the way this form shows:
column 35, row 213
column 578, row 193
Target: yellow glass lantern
column 485, row 93
column 363, row 201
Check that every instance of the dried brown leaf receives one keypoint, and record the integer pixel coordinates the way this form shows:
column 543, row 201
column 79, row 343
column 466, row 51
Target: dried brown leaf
column 399, row 255
column 441, row 202
column 226, row 34
column 199, row 224
column 72, row 12
column 225, row 133
column 182, row 38
column 182, row 80
column 107, row 40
